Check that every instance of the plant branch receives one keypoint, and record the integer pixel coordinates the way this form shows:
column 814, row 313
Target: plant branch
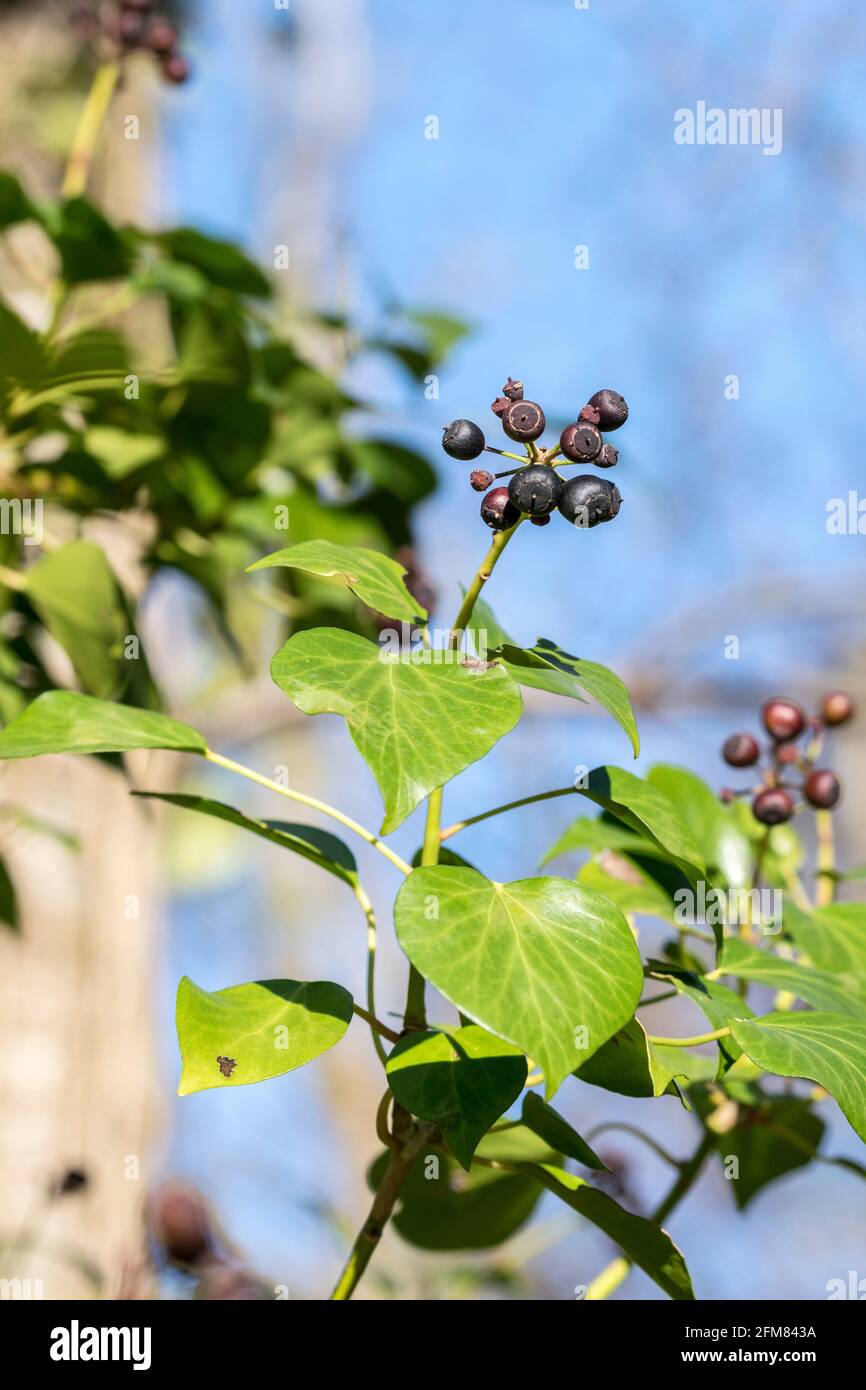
column 638, row 1134
column 825, row 888
column 499, row 810
column 312, row 802
column 370, row 916
column 690, row 1042
column 399, row 1166
column 89, row 127
column 378, row 1027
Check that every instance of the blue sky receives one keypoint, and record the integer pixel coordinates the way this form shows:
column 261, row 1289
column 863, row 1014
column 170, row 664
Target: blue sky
column 556, row 130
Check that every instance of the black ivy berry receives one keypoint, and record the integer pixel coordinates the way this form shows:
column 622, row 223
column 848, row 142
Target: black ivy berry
column 783, row 720
column 175, row 68
column 480, row 479
column 497, row 510
column 773, row 806
column 523, row 420
column 587, row 500
column 463, row 439
column 822, row 789
column 607, row 456
column 161, row 35
column 540, row 520
column 580, row 441
column 536, row 489
column 741, row 750
column 611, row 407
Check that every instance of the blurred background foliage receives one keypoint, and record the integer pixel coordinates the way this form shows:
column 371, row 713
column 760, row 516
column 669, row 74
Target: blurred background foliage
column 309, row 389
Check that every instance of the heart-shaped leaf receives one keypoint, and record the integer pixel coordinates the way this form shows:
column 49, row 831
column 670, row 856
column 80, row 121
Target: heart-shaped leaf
column 375, row 579
column 417, row 719
column 544, row 963
column 549, row 1125
column 462, row 1080
column 823, row 1047
column 62, row 721
column 252, row 1032
column 646, row 1244
column 817, row 987
column 319, row 846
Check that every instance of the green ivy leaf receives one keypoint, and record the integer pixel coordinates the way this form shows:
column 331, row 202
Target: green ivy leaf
column 219, row 261
column 442, row 1208
column 15, row 206
column 824, row 1047
column 265, row 1029
column 549, row 1125
column 78, row 599
column 768, row 1141
column 636, row 893
column 834, row 937
column 725, row 847
column 832, row 993
column 319, row 846
column 396, row 470
column 90, row 247
column 375, row 579
column 719, row 1004
column 645, row 810
column 8, row 900
column 62, row 721
column 631, row 1065
column 646, row 1244
column 417, row 720
column 461, row 1079
column 120, row 451
column 543, row 963
column 546, row 666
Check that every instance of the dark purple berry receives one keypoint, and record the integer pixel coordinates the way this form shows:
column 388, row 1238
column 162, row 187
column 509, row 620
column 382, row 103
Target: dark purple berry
column 608, row 457
column 586, row 500
column 497, row 511
column 783, row 720
column 141, row 5
column 523, row 420
column 536, row 489
column 580, row 441
column 611, row 407
column 178, row 1217
column 741, row 750
column 131, row 28
column 773, row 806
column 463, row 439
column 837, row 708
column 161, row 35
column 480, row 479
column 540, row 520
column 513, row 390
column 822, row 789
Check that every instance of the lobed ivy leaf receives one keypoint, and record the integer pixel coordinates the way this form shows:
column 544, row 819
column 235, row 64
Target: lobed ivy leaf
column 544, row 963
column 550, row 1126
column 252, row 1032
column 62, row 721
column 461, row 1079
column 90, row 247
column 375, row 579
column 644, row 1242
column 825, row 1047
column 833, row 993
column 319, row 846
column 417, row 719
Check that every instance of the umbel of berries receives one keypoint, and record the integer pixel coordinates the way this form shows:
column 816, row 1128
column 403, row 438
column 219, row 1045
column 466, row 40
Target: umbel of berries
column 130, row 26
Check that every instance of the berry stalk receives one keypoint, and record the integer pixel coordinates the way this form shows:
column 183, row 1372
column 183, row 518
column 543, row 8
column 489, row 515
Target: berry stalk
column 89, row 128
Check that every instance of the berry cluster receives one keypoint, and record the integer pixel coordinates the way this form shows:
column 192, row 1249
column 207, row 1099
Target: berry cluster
column 536, row 488
column 774, row 799
column 121, row 29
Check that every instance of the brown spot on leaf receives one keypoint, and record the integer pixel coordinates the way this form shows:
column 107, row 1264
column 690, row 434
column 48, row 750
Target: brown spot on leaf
column 226, row 1065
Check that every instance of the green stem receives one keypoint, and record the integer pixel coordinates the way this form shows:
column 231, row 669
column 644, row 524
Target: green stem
column 624, row 1128
column 399, row 1165
column 370, row 916
column 313, row 803
column 691, row 1042
column 89, row 127
column 499, row 810
column 826, row 886
column 617, row 1271
column 485, row 569
column 377, row 1026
